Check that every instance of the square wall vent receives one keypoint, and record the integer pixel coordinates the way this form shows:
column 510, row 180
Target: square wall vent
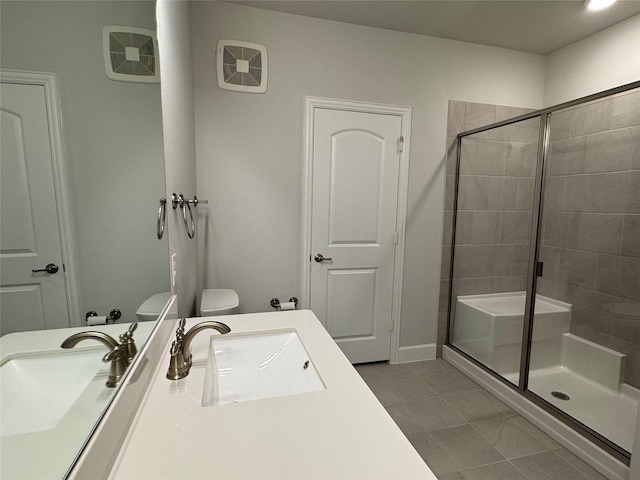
column 242, row 66
column 130, row 54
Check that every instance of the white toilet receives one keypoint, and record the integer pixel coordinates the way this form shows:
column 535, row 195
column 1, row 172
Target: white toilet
column 218, row 301
column 152, row 307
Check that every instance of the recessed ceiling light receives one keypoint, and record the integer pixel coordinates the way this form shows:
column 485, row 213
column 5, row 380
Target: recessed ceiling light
column 598, row 4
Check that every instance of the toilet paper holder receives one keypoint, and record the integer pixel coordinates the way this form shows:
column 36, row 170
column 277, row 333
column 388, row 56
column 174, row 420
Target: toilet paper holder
column 114, row 315
column 275, row 303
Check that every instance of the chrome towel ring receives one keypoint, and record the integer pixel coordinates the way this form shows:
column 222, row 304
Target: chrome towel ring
column 189, row 225
column 185, row 204
column 162, row 217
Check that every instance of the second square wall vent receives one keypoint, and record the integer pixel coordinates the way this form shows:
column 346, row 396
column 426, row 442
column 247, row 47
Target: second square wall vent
column 242, row 66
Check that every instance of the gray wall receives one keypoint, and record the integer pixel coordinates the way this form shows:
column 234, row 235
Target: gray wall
column 604, row 60
column 250, row 147
column 113, row 150
column 178, row 122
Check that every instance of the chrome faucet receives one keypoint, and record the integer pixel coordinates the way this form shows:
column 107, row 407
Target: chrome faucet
column 180, row 360
column 127, row 342
column 119, row 354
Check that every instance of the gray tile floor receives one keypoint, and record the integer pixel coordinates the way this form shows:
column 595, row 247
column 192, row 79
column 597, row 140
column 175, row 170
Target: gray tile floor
column 464, row 432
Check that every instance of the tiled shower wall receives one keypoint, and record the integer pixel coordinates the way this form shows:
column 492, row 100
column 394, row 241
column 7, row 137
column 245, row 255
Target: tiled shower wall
column 494, row 209
column 591, row 223
column 591, row 216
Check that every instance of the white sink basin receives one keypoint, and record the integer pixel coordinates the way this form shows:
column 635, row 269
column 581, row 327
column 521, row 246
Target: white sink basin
column 26, row 383
column 254, row 366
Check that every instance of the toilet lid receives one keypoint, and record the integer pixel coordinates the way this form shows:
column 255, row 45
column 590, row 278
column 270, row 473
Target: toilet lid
column 154, row 304
column 217, row 299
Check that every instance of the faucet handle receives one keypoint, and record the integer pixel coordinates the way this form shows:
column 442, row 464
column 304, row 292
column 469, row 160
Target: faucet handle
column 128, row 344
column 128, row 335
column 176, row 362
column 119, row 363
column 180, row 330
column 132, row 328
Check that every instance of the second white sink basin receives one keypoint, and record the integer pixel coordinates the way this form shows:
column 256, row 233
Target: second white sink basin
column 255, row 366
column 27, row 382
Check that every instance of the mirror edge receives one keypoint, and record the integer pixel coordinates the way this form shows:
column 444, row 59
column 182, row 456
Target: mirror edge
column 98, row 454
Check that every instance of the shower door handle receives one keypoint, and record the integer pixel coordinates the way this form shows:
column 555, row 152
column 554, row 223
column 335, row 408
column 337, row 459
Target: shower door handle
column 51, row 268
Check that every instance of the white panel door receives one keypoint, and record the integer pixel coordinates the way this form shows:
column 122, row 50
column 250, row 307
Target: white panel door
column 30, row 235
column 353, row 226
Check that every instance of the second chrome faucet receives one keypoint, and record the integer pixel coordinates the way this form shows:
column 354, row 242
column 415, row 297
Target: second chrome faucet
column 180, row 360
column 120, row 354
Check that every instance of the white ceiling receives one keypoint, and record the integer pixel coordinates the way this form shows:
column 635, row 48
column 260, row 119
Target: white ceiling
column 541, row 26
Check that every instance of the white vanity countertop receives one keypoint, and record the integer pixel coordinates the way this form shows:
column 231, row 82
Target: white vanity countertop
column 27, row 343
column 58, row 445
column 340, row 432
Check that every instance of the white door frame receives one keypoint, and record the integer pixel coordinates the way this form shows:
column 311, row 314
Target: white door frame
column 63, row 206
column 311, row 104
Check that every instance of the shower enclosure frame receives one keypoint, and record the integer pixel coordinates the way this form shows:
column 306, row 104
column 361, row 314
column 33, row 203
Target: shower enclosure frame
column 531, row 279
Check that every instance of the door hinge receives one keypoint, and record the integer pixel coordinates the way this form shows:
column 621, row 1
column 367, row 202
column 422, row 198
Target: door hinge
column 64, row 267
column 400, row 144
column 393, row 325
column 396, row 238
column 539, row 268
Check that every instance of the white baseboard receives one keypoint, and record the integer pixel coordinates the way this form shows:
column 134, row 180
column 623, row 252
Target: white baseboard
column 416, row 353
column 609, row 466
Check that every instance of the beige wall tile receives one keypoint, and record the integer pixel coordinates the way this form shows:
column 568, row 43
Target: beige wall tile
column 578, row 268
column 625, row 110
column 503, row 193
column 445, row 271
column 524, row 195
column 505, row 113
column 619, row 276
column 449, row 191
column 478, row 227
column 567, row 156
column 560, row 229
column 473, row 193
column 554, row 191
column 625, row 320
column 478, row 115
column 473, row 261
column 555, row 289
column 620, row 191
column 521, row 160
column 630, row 242
column 584, row 193
column 609, row 151
column 635, row 146
column 474, row 286
column 447, row 227
column 590, row 310
column 591, row 118
column 520, row 259
column 514, row 283
column 483, row 157
column 560, row 126
column 516, row 227
column 600, row 233
column 452, row 155
column 455, row 120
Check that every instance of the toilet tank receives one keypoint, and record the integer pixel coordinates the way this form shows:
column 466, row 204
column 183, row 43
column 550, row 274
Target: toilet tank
column 218, row 301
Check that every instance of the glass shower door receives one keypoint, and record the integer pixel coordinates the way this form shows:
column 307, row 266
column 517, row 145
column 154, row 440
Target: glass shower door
column 585, row 351
column 492, row 232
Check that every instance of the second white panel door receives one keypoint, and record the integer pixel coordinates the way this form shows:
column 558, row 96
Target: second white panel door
column 353, row 228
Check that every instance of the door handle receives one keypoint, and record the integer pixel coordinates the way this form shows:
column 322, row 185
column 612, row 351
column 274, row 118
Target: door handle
column 320, row 258
column 51, row 268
